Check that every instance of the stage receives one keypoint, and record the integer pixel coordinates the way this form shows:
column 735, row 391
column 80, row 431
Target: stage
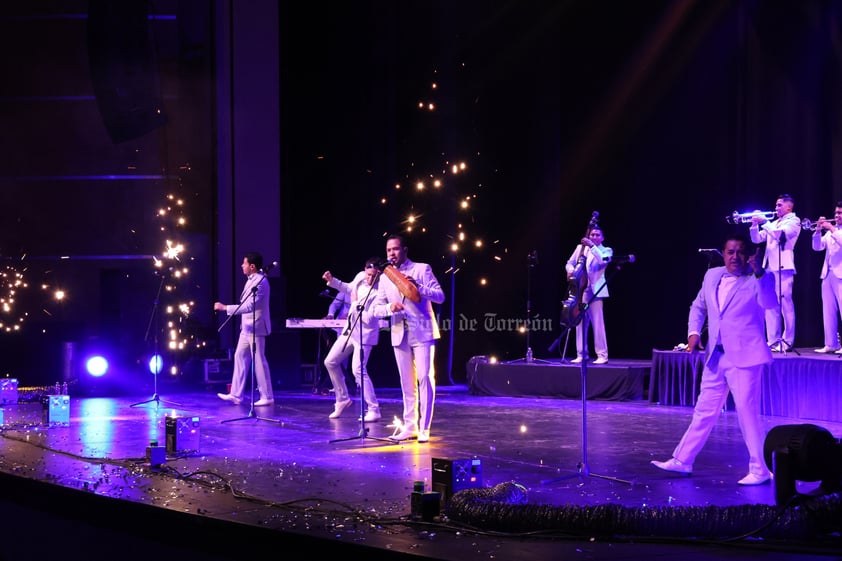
column 800, row 384
column 619, row 380
column 286, row 479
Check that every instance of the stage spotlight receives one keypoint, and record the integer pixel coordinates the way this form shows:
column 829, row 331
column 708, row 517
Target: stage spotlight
column 156, row 363
column 802, row 453
column 96, row 366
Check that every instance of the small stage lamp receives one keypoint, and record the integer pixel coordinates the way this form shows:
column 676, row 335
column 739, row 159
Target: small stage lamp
column 96, row 366
column 156, row 363
column 803, row 453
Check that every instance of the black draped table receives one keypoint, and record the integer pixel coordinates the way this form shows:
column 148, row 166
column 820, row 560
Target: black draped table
column 805, row 386
column 675, row 376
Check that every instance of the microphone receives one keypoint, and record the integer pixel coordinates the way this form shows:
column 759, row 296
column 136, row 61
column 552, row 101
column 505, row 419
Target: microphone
column 623, row 259
column 532, row 258
column 716, row 251
column 326, row 294
column 270, row 266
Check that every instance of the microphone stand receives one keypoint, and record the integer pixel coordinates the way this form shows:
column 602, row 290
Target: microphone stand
column 251, row 413
column 363, row 432
column 780, row 342
column 156, row 357
column 531, row 261
column 583, row 469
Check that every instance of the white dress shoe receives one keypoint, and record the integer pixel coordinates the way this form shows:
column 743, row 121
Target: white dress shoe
column 372, row 415
column 228, row 397
column 754, row 479
column 262, row 402
column 423, row 436
column 601, row 360
column 405, row 434
column 826, row 350
column 576, row 360
column 674, row 465
column 338, row 408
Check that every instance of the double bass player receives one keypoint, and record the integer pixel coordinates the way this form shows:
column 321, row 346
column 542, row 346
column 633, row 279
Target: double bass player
column 586, row 267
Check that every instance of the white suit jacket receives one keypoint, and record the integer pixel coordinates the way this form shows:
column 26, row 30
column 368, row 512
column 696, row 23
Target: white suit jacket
column 739, row 327
column 596, row 261
column 356, row 290
column 832, row 242
column 258, row 322
column 770, row 232
column 418, row 318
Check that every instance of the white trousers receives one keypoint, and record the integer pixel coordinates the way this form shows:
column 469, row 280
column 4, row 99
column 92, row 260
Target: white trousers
column 783, row 288
column 592, row 318
column 418, row 382
column 337, row 354
column 242, row 366
column 744, row 385
column 831, row 306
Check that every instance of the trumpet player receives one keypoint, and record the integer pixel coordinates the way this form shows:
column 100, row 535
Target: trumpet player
column 828, row 238
column 406, row 296
column 779, row 237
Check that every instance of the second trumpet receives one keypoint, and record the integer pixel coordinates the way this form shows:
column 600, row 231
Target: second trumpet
column 808, row 224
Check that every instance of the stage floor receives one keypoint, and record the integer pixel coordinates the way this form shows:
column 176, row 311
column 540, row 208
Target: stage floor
column 273, row 478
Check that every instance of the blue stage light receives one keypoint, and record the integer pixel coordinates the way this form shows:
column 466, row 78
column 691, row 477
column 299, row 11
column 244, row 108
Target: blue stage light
column 96, row 366
column 156, row 363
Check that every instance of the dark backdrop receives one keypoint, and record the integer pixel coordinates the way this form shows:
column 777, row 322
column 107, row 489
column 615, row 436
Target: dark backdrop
column 663, row 116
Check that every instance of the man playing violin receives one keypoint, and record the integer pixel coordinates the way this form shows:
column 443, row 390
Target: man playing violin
column 406, row 296
column 592, row 258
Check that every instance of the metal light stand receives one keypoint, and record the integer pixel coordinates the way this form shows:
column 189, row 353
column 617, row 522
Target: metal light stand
column 362, row 435
column 251, row 413
column 158, row 360
column 583, row 469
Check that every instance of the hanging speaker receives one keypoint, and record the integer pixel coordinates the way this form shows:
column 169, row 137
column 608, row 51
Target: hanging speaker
column 123, row 68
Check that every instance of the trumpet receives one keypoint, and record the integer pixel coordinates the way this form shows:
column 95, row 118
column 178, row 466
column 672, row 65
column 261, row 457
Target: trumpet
column 741, row 218
column 808, row 224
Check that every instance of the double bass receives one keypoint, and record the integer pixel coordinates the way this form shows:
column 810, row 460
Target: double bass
column 573, row 306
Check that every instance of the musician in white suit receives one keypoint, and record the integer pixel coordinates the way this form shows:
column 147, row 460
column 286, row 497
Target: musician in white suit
column 596, row 257
column 255, row 326
column 780, row 236
column 360, row 293
column 733, row 299
column 828, row 238
column 414, row 331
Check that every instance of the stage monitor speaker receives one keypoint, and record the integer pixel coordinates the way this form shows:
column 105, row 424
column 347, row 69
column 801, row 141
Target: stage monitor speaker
column 451, row 476
column 802, row 453
column 123, row 68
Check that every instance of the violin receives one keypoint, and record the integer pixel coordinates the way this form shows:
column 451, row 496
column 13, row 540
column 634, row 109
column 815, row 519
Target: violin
column 573, row 306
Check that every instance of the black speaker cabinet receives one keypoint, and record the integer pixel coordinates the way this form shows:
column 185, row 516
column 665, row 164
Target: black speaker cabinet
column 451, row 476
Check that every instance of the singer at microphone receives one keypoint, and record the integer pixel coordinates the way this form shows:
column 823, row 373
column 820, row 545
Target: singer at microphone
column 413, row 333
